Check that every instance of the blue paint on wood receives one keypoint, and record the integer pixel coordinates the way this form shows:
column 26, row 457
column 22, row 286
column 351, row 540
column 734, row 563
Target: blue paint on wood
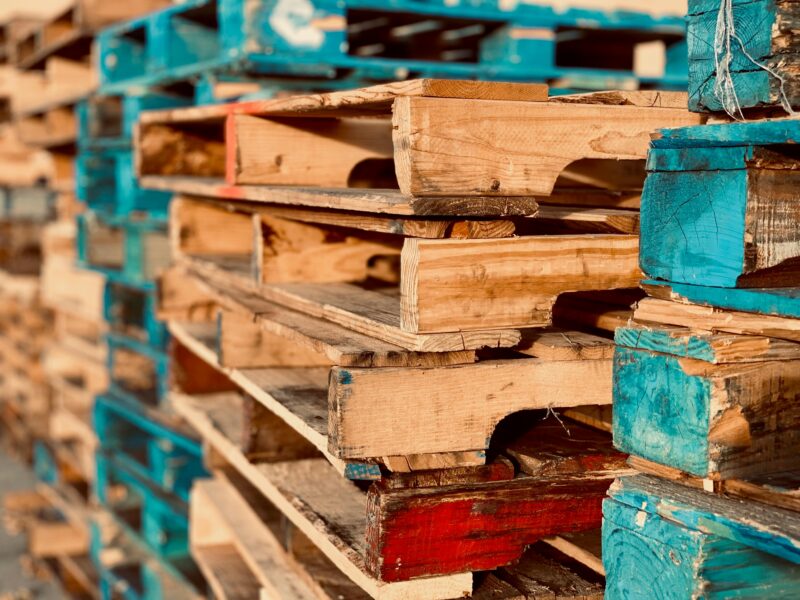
column 647, row 556
column 686, row 506
column 750, row 133
column 660, row 412
column 689, row 345
column 781, row 302
column 753, row 21
column 693, row 226
column 281, row 37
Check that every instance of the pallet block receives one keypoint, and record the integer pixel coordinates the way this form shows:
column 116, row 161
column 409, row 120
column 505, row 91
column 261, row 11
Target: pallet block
column 717, row 206
column 380, row 41
column 766, row 27
column 444, row 515
column 266, row 142
column 665, row 540
column 446, row 289
column 713, row 405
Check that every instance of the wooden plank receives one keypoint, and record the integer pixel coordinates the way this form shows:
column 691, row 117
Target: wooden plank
column 381, row 201
column 562, row 344
column 314, row 497
column 455, row 413
column 434, row 228
column 767, row 529
column 722, row 421
column 289, row 337
column 452, row 285
column 378, row 99
column 665, row 539
column 366, row 311
column 303, row 152
column 485, row 136
column 708, row 318
column 539, row 576
column 423, row 531
column 715, row 348
column 219, row 517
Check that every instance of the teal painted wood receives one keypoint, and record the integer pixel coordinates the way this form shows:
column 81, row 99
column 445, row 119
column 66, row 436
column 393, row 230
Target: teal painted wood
column 284, row 38
column 781, row 302
column 132, row 311
column 691, row 345
column 660, row 412
column 693, row 226
column 726, row 158
column 751, row 133
column 768, row 529
column 648, row 557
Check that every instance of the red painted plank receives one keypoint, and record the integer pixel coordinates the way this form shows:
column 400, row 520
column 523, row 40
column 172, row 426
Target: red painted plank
column 453, row 529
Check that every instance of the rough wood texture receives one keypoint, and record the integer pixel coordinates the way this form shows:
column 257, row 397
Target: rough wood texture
column 411, row 533
column 721, row 217
column 704, row 317
column 485, row 136
column 684, row 540
column 461, row 408
column 451, row 285
column 716, row 421
column 768, row 32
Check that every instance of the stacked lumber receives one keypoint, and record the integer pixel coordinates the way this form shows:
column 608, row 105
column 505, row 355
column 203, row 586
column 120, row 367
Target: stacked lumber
column 25, row 205
column 391, row 286
column 705, row 378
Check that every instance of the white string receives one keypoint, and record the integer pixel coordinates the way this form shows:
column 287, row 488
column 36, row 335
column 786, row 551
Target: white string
column 724, row 88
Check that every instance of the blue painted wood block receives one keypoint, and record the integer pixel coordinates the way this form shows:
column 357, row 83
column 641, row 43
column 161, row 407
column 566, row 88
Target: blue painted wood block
column 765, row 28
column 709, row 420
column 780, row 302
column 722, row 216
column 661, row 540
column 107, row 121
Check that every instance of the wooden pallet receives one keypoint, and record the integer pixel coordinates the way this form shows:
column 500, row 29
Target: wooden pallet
column 387, row 278
column 244, row 547
column 313, row 372
column 256, row 145
column 370, row 537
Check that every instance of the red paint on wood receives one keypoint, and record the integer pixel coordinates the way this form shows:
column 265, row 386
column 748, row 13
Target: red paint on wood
column 455, row 529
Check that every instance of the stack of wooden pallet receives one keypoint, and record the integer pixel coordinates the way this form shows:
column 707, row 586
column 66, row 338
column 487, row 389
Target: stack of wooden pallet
column 706, row 384
column 26, row 205
column 405, row 286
